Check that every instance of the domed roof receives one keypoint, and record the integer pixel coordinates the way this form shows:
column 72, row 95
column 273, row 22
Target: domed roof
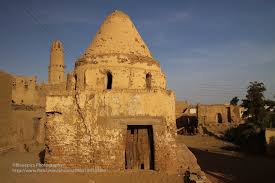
column 118, row 35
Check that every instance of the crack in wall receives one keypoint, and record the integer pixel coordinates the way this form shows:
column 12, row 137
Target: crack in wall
column 88, row 131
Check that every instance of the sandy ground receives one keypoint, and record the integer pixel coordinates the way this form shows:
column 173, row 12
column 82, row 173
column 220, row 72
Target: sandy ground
column 7, row 160
column 222, row 162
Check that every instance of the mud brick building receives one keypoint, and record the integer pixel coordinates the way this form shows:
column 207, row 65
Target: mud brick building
column 116, row 112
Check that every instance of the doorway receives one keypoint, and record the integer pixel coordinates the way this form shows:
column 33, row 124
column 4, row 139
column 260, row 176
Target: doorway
column 139, row 151
column 228, row 114
column 219, row 118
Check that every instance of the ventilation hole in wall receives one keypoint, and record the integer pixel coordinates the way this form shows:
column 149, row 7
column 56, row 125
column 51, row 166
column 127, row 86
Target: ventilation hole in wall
column 109, row 80
column 75, row 78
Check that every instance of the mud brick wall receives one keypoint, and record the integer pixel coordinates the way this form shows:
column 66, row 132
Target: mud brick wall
column 207, row 114
column 89, row 130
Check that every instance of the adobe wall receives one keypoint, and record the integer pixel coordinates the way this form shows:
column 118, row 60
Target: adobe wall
column 48, row 89
column 129, row 72
column 28, row 109
column 270, row 140
column 207, row 114
column 181, row 106
column 25, row 91
column 22, row 111
column 8, row 128
column 89, row 129
column 29, row 122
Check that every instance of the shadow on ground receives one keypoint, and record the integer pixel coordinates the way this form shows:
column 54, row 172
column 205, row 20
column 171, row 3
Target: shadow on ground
column 229, row 169
column 231, row 148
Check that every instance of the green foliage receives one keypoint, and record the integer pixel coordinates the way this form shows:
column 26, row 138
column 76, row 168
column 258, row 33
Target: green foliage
column 255, row 103
column 234, row 101
column 250, row 136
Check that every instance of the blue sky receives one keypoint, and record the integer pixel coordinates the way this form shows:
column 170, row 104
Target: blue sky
column 210, row 50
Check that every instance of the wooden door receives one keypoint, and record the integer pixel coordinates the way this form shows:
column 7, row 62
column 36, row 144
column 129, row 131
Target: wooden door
column 139, row 147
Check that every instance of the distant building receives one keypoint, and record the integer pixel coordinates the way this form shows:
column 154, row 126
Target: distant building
column 270, row 141
column 22, row 110
column 216, row 118
column 215, row 114
column 23, row 102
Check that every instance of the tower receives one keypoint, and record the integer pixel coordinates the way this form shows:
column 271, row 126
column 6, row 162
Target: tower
column 56, row 66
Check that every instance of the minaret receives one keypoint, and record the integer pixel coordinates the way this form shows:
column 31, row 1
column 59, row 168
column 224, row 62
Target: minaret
column 56, row 66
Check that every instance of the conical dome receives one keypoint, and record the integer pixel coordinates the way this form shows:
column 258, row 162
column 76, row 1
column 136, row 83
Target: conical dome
column 118, row 35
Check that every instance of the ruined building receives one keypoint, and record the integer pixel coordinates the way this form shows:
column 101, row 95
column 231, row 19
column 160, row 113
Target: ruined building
column 116, row 112
column 216, row 118
column 23, row 100
column 219, row 114
column 270, row 141
column 22, row 113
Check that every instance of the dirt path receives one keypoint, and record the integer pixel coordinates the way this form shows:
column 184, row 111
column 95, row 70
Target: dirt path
column 220, row 161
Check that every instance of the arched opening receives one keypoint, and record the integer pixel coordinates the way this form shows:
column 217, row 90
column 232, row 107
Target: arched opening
column 109, row 80
column 148, row 81
column 219, row 118
column 75, row 81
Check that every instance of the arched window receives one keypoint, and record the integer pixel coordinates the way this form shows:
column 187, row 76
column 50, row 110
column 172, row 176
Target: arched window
column 75, row 81
column 148, row 81
column 219, row 118
column 109, row 80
